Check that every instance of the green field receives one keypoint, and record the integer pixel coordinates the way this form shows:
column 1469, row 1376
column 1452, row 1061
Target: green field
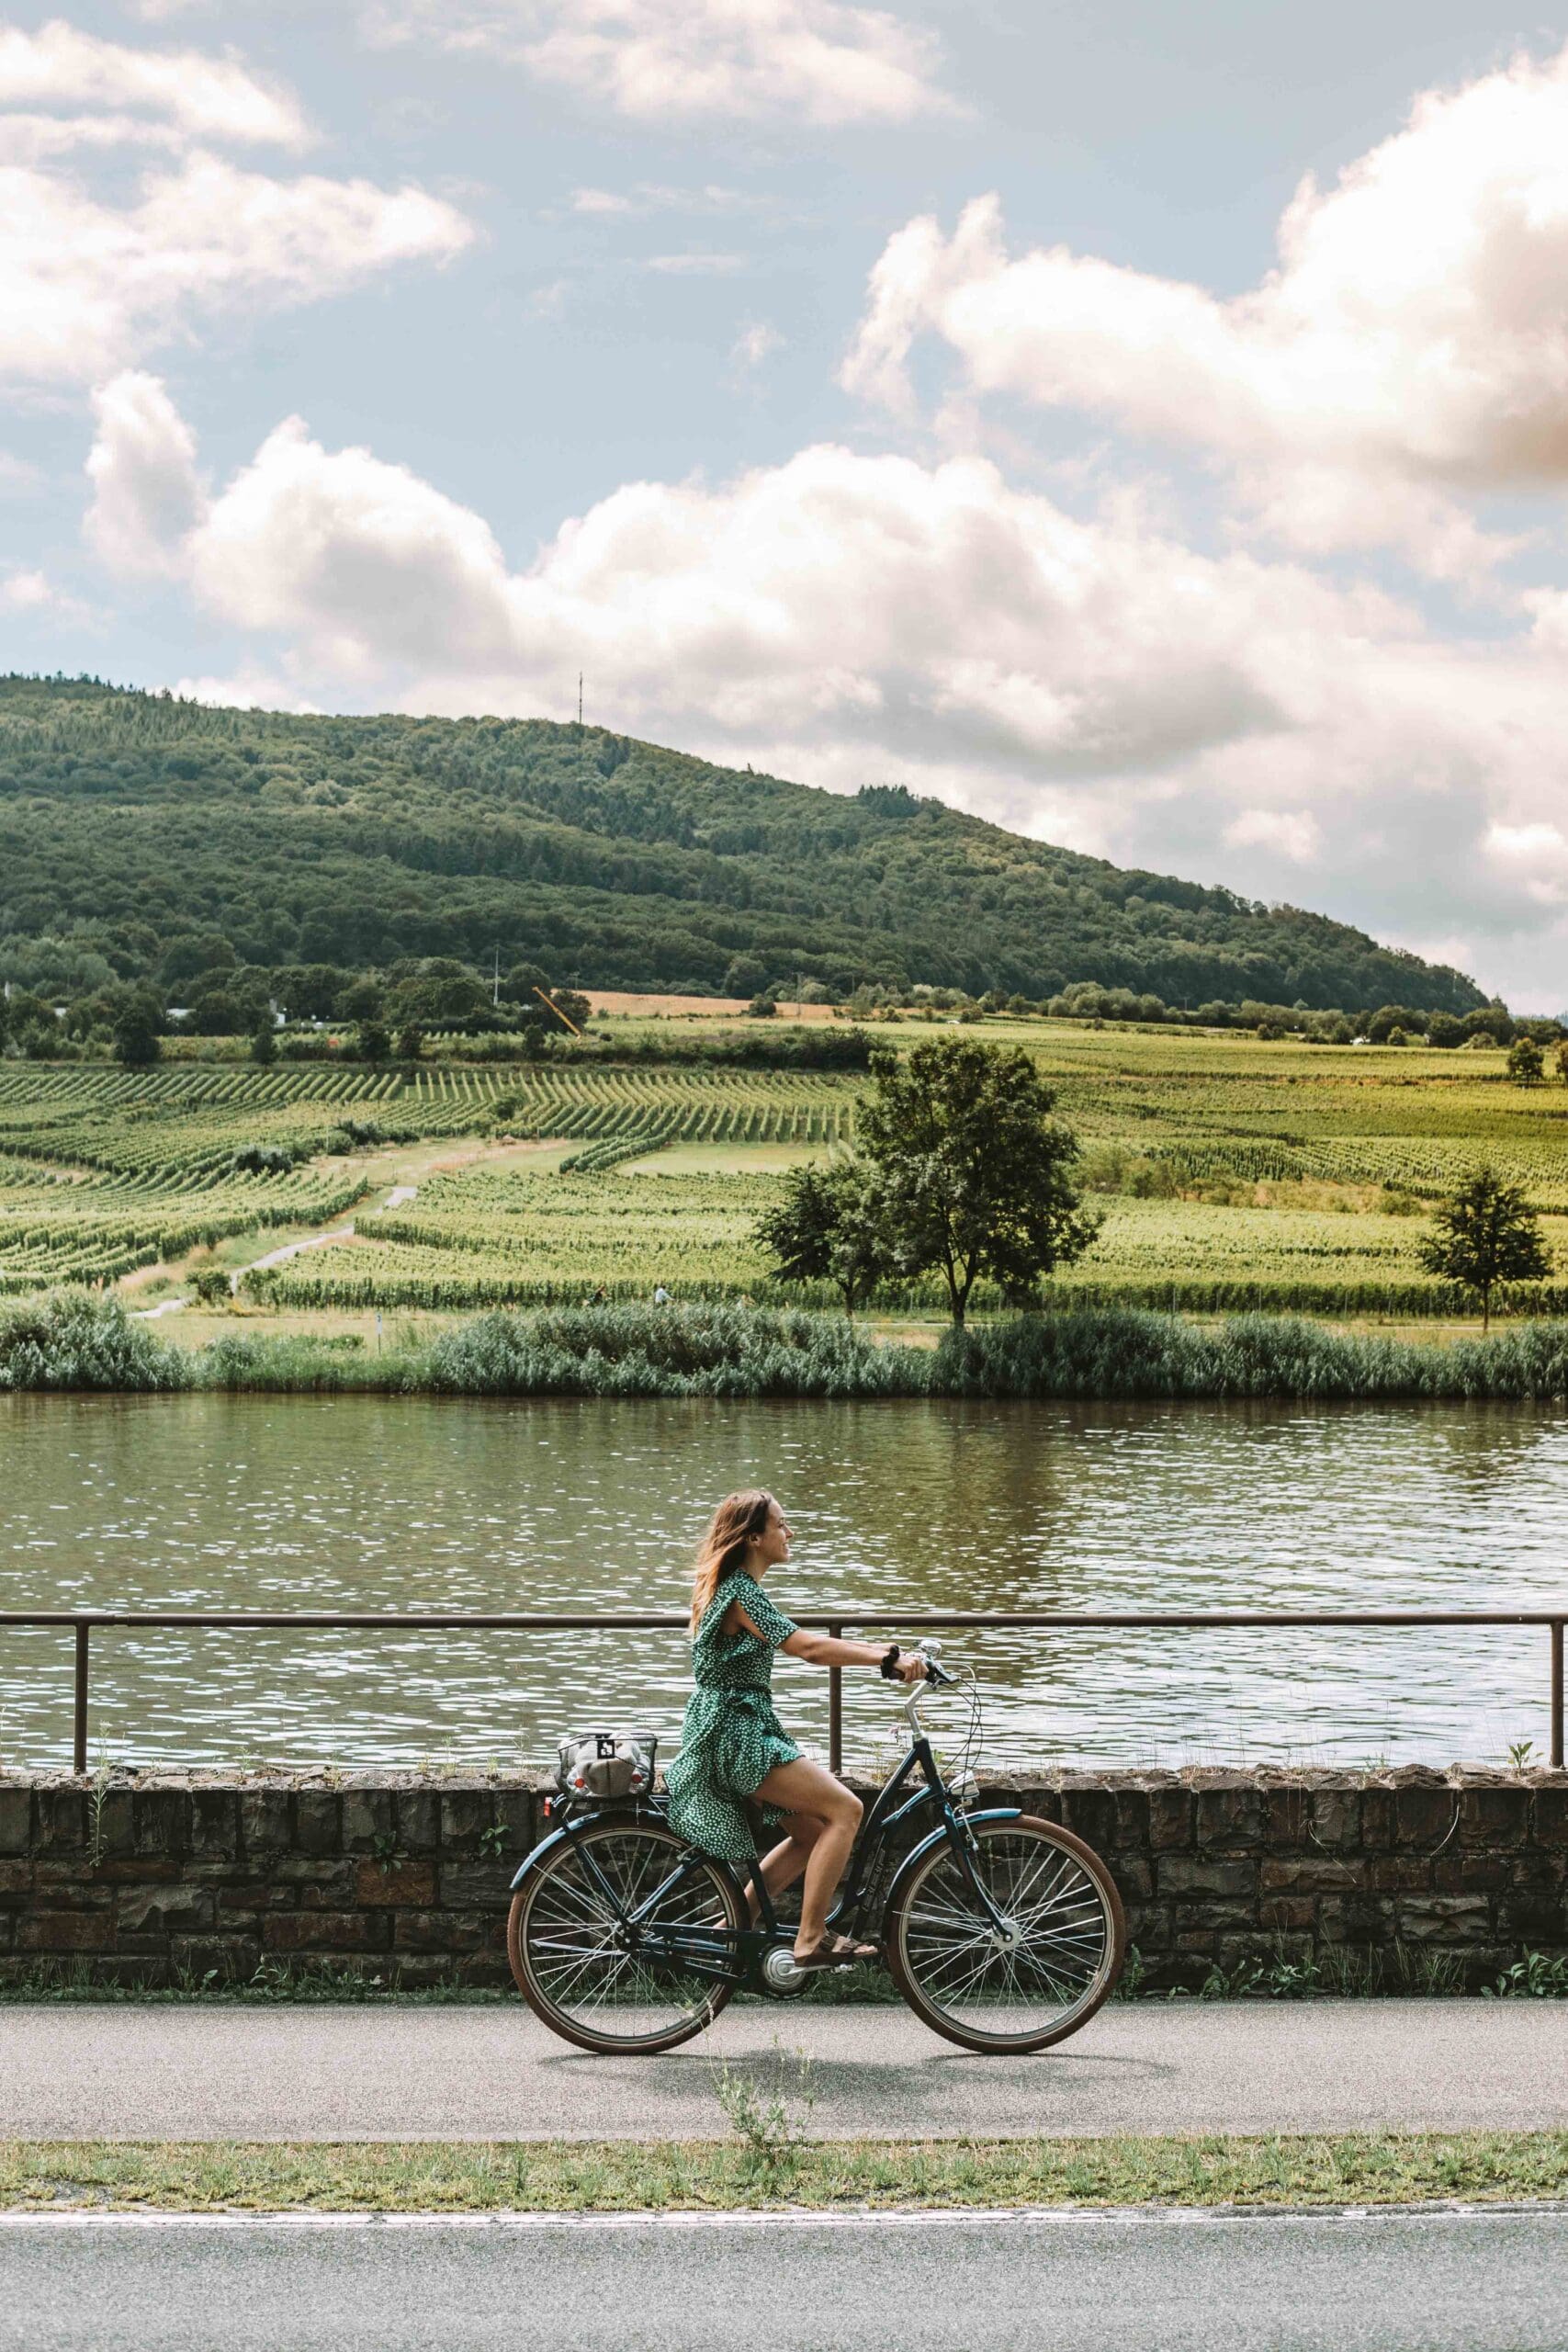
column 1230, row 1171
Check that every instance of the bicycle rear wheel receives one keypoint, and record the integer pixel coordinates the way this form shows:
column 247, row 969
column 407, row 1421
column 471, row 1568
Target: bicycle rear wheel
column 585, row 1968
column 1029, row 1978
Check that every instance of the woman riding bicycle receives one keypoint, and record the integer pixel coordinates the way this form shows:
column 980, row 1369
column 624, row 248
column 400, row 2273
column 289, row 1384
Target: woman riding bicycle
column 733, row 1749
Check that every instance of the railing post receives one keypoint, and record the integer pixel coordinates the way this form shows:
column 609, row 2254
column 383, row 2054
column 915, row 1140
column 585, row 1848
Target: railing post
column 1556, row 1630
column 79, row 1728
column 835, row 1708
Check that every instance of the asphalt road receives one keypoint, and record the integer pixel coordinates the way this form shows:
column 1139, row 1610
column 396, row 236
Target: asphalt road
column 1428, row 2282
column 194, row 2072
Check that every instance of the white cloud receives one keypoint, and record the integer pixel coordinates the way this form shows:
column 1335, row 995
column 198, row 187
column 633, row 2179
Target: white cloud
column 146, row 492
column 202, row 97
column 30, row 593
column 815, row 62
column 754, row 345
column 1409, row 352
column 695, row 265
column 650, row 196
column 1293, row 833
column 86, row 285
column 92, row 272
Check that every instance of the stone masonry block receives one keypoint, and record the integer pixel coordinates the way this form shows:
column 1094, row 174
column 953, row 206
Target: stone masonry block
column 1334, row 1819
column 1287, row 1809
column 318, row 1822
column 61, row 1821
column 1378, row 1824
column 15, row 1820
column 1423, row 1814
column 419, row 1821
column 1534, row 1918
column 1170, row 1818
column 159, row 1821
column 160, row 1910
column 63, row 1931
column 215, row 1824
column 447, row 1931
column 467, row 1884
column 266, row 1822
column 1549, row 1816
column 369, row 1824
column 1190, row 1875
column 324, row 1931
column 1494, row 1818
column 403, row 1884
column 1229, row 1817
column 466, row 1814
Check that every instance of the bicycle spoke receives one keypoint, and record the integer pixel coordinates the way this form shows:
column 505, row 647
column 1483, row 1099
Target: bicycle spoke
column 1045, row 1955
column 587, row 1919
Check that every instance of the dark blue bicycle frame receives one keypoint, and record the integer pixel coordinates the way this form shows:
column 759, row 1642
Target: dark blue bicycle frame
column 735, row 1955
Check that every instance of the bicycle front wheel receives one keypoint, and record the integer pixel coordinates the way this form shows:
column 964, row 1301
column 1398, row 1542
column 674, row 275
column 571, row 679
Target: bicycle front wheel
column 1029, row 1974
column 597, row 1929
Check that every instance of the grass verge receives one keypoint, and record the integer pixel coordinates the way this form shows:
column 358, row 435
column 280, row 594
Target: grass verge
column 560, row 2176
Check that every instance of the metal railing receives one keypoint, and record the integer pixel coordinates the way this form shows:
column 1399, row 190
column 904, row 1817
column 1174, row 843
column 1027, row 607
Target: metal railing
column 84, row 1622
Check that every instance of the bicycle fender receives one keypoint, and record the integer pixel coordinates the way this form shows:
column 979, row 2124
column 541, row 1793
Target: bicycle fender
column 938, row 1836
column 545, row 1845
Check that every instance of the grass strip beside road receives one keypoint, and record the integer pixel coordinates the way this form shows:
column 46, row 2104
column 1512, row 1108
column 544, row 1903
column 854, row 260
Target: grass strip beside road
column 555, row 2176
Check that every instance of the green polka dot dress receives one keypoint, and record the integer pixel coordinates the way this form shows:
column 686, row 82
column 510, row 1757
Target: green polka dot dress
column 731, row 1739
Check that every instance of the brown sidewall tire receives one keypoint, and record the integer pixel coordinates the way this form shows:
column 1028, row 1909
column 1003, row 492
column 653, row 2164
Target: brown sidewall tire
column 579, row 2035
column 1020, row 2045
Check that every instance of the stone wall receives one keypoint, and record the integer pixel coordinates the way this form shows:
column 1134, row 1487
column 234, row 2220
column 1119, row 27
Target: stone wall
column 405, row 1877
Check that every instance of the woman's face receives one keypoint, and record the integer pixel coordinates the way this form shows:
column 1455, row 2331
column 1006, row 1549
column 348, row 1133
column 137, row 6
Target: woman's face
column 773, row 1544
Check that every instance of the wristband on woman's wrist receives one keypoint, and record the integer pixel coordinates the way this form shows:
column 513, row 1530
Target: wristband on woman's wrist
column 890, row 1667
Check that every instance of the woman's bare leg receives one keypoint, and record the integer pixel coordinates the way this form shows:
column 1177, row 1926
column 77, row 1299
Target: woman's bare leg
column 785, row 1864
column 806, row 1789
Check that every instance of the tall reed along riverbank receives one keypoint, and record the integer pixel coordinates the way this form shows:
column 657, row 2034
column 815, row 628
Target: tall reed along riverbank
column 1411, row 1881
column 74, row 1340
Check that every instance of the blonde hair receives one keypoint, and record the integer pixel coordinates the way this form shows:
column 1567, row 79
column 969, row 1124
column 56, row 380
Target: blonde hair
column 739, row 1519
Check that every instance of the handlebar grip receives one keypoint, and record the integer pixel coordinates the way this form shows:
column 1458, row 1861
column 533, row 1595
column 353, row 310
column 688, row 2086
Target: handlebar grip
column 934, row 1674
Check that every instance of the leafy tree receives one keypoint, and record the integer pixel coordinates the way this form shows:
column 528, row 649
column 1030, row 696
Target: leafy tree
column 1527, row 1063
column 1445, row 1030
column 1485, row 1235
column 361, row 1000
column 263, row 1046
column 827, row 1228
column 376, row 1043
column 974, row 1176
column 410, row 1042
column 1561, row 1060
column 762, row 1008
column 745, row 976
column 212, row 1286
column 137, row 1043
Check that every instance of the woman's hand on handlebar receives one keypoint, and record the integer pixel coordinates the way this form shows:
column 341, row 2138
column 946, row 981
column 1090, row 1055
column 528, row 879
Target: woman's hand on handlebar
column 911, row 1666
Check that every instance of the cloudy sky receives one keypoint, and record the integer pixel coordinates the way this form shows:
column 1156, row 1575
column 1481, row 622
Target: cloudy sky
column 1145, row 427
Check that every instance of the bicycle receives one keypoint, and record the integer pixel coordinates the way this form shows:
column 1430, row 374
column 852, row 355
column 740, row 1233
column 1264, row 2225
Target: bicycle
column 1003, row 1932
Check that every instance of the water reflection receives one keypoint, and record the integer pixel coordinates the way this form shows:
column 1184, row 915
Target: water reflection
column 297, row 1502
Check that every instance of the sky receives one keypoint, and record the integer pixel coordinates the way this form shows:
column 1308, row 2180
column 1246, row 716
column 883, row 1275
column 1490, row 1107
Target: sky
column 1144, row 427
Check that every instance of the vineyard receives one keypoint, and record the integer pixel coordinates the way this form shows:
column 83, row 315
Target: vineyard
column 1267, row 1167
column 104, row 1171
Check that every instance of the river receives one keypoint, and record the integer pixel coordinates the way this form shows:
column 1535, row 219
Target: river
column 367, row 1502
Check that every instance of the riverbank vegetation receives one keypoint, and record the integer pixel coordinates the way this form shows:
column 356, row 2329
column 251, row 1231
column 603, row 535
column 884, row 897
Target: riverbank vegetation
column 770, row 2160
column 72, row 1340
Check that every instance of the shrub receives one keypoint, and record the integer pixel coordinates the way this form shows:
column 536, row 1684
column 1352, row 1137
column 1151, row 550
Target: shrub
column 73, row 1340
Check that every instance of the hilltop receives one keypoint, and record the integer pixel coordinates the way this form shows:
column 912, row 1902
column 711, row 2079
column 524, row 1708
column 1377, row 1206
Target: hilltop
column 132, row 822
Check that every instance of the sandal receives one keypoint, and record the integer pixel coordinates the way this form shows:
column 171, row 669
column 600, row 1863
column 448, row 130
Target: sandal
column 836, row 1951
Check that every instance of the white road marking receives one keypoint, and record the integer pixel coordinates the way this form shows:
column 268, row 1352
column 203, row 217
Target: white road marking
column 902, row 2218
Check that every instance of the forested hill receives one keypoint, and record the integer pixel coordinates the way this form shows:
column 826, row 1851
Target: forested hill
column 131, row 822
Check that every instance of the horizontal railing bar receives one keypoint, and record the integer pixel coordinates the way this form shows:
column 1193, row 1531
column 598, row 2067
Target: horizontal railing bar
column 439, row 1622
